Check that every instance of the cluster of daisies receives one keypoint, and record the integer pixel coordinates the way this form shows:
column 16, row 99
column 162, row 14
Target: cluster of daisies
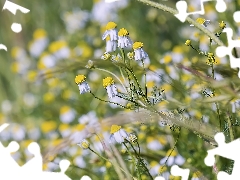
column 114, row 39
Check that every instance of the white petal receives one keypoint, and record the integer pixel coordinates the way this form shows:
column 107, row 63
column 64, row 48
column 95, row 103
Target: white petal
column 179, row 160
column 170, row 161
column 106, row 33
column 84, row 87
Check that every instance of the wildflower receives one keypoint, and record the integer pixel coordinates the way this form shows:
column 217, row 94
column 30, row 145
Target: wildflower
column 67, row 114
column 123, row 38
column 188, row 42
column 111, row 31
column 80, row 80
column 132, row 138
column 110, row 45
column 130, row 55
column 222, row 25
column 235, row 104
column 196, row 175
column 202, row 21
column 39, row 43
column 117, row 58
column 174, row 158
column 140, row 54
column 84, row 144
column 108, row 83
column 90, row 64
column 118, row 133
column 106, row 56
column 211, row 58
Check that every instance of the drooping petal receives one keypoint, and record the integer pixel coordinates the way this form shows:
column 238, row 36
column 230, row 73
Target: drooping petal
column 84, row 87
column 104, row 36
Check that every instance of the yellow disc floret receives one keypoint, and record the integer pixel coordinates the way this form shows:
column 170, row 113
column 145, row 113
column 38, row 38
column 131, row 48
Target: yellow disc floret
column 85, row 144
column 123, row 32
column 111, row 25
column 80, row 79
column 172, row 153
column 188, row 42
column 200, row 20
column 222, row 25
column 137, row 45
column 107, row 82
column 115, row 128
column 39, row 33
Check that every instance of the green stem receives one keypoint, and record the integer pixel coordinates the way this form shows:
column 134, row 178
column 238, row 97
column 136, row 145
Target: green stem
column 106, row 159
column 140, row 159
column 134, row 162
column 100, row 69
column 190, row 20
column 107, row 101
column 230, row 128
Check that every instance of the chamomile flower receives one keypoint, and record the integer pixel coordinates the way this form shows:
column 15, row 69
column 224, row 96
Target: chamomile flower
column 110, row 45
column 196, row 176
column 118, row 133
column 174, row 158
column 105, row 56
column 111, row 31
column 202, row 21
column 84, row 144
column 235, row 105
column 108, row 83
column 139, row 53
column 39, row 43
column 67, row 114
column 80, row 80
column 123, row 38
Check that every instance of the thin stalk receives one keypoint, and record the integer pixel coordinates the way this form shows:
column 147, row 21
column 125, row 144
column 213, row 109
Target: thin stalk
column 107, row 101
column 100, row 69
column 190, row 20
column 140, row 159
column 119, row 173
column 134, row 162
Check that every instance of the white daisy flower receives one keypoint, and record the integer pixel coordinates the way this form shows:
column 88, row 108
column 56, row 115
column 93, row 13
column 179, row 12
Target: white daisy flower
column 118, row 133
column 123, row 38
column 108, row 83
column 110, row 45
column 80, row 80
column 139, row 53
column 174, row 158
column 235, row 105
column 67, row 114
column 202, row 21
column 111, row 31
column 39, row 43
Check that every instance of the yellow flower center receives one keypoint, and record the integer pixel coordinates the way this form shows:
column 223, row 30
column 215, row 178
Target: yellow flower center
column 123, row 32
column 188, row 42
column 39, row 33
column 107, row 82
column 64, row 109
column 174, row 153
column 80, row 79
column 222, row 25
column 115, row 128
column 163, row 169
column 137, row 45
column 200, row 20
column 111, row 25
column 85, row 144
column 55, row 46
column 130, row 55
